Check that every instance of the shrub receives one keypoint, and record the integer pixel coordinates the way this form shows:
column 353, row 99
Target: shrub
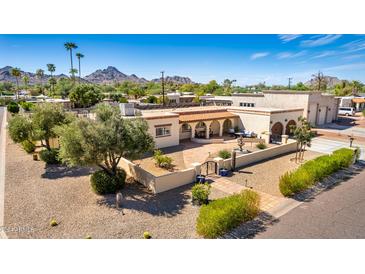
column 26, row 105
column 222, row 215
column 147, row 235
column 261, row 146
column 104, row 183
column 13, row 107
column 315, row 170
column 49, row 156
column 363, row 113
column 28, row 146
column 225, row 154
column 162, row 160
column 200, row 193
column 53, row 222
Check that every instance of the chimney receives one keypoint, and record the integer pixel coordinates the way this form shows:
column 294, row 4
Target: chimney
column 126, row 109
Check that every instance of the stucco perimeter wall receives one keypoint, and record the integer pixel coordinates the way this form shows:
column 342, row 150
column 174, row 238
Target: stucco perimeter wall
column 174, row 180
column 161, row 183
column 139, row 174
column 260, row 155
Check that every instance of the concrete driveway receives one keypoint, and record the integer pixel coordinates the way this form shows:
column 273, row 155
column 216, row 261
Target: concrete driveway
column 327, row 146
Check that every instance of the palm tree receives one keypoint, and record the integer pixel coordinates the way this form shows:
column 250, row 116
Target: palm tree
column 40, row 74
column 51, row 68
column 73, row 72
column 26, row 81
column 69, row 47
column 79, row 56
column 16, row 73
column 52, row 81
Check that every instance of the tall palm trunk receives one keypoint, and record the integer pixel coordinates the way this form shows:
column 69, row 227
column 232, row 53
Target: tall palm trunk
column 72, row 66
column 17, row 87
column 79, row 70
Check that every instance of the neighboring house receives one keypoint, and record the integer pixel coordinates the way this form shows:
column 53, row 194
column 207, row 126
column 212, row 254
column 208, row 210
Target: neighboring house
column 317, row 107
column 357, row 102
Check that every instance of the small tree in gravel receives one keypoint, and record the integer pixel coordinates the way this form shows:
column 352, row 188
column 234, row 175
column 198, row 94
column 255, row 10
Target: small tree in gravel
column 104, row 141
column 303, row 135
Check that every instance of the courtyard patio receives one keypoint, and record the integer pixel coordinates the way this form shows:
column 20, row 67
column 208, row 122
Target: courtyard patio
column 189, row 152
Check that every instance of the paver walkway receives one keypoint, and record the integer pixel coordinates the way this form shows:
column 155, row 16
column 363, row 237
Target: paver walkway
column 267, row 201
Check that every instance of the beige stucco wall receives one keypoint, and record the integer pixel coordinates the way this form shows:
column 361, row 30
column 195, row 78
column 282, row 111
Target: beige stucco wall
column 260, row 155
column 166, row 141
column 281, row 117
column 257, row 123
column 174, row 180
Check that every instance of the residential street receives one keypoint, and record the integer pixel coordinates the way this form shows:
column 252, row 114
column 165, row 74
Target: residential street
column 336, row 213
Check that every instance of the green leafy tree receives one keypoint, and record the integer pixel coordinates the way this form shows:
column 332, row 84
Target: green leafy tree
column 105, row 140
column 20, row 129
column 51, row 68
column 64, row 87
column 17, row 74
column 85, row 95
column 52, row 81
column 303, row 135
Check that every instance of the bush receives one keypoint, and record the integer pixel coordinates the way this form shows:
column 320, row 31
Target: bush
column 53, row 222
column 222, row 215
column 363, row 113
column 147, row 235
column 26, row 105
column 261, row 146
column 28, row 146
column 13, row 107
column 104, row 183
column 225, row 154
column 315, row 170
column 162, row 160
column 49, row 156
column 200, row 193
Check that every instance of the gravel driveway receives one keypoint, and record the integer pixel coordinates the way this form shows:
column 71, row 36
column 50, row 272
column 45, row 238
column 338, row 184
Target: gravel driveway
column 35, row 193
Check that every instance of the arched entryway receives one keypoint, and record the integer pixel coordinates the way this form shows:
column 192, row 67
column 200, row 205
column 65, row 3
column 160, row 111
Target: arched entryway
column 288, row 127
column 185, row 131
column 214, row 127
column 200, row 130
column 277, row 131
column 227, row 124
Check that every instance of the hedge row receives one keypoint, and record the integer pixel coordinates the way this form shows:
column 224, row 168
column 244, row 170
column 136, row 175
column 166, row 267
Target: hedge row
column 315, row 170
column 222, row 215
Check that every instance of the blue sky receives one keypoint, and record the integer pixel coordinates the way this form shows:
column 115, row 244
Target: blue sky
column 247, row 58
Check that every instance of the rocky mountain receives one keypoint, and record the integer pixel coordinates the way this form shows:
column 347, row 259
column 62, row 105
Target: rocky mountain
column 100, row 76
column 174, row 79
column 5, row 76
column 111, row 75
column 331, row 81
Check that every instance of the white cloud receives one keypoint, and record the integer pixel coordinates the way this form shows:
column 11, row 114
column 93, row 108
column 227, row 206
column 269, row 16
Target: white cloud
column 356, row 45
column 259, row 55
column 286, row 54
column 320, row 40
column 353, row 56
column 357, row 66
column 285, row 38
column 325, row 54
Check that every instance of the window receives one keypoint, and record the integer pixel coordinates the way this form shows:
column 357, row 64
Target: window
column 247, row 105
column 163, row 131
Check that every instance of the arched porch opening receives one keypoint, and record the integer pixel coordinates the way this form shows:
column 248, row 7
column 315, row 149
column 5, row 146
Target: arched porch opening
column 288, row 127
column 214, row 127
column 277, row 131
column 227, row 124
column 200, row 130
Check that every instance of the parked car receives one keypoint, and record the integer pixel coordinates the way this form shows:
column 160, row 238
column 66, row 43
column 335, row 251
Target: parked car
column 348, row 111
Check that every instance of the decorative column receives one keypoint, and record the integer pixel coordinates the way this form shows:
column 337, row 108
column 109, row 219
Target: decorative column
column 207, row 129
column 284, row 139
column 219, row 162
column 221, row 122
column 192, row 126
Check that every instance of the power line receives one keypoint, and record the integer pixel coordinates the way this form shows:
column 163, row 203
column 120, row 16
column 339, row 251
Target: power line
column 289, row 81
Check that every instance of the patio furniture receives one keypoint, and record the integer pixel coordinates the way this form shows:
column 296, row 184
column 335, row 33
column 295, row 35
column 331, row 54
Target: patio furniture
column 231, row 132
column 200, row 179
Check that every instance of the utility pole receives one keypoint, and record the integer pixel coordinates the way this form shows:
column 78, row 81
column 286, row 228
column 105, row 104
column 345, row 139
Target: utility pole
column 289, row 80
column 163, row 87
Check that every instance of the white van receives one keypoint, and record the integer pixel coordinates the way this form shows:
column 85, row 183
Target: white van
column 346, row 111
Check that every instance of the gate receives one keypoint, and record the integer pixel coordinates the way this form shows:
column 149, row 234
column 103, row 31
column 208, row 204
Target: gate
column 209, row 167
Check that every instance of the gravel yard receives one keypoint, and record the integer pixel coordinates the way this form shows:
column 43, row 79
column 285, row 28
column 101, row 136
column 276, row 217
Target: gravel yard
column 265, row 176
column 34, row 194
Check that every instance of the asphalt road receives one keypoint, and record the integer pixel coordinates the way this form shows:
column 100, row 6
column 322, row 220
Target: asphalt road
column 338, row 213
